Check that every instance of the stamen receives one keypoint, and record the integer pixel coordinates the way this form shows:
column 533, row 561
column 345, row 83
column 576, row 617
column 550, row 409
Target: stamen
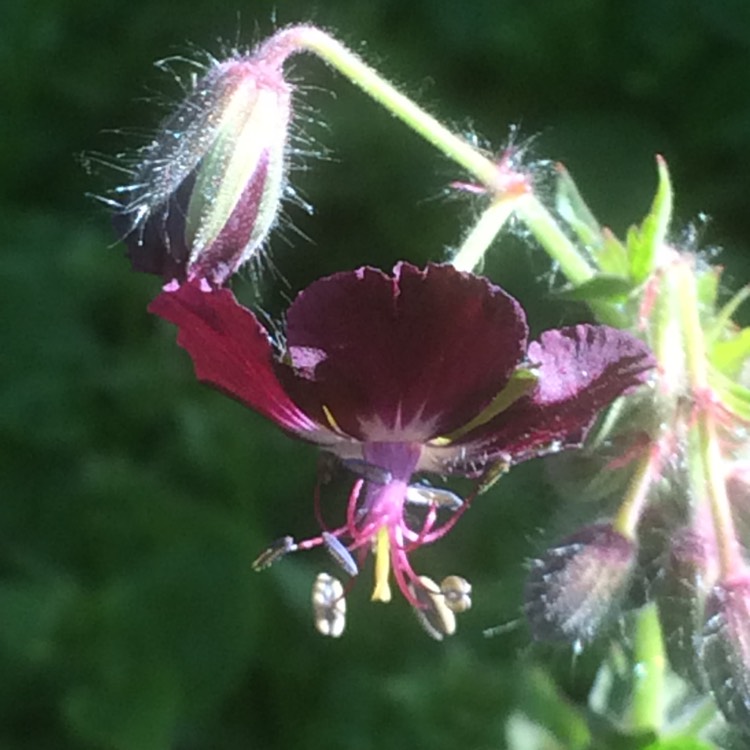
column 329, row 605
column 382, row 590
column 340, row 553
column 433, row 613
column 275, row 551
column 457, row 593
column 421, row 495
column 491, row 474
column 369, row 472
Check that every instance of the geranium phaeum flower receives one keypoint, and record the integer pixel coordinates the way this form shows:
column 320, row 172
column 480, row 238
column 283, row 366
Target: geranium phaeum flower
column 424, row 370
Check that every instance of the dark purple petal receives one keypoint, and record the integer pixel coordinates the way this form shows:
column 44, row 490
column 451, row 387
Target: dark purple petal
column 581, row 370
column 406, row 357
column 231, row 350
column 157, row 244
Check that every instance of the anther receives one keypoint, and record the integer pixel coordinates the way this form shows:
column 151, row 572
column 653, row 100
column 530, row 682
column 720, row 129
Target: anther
column 274, row 552
column 329, row 605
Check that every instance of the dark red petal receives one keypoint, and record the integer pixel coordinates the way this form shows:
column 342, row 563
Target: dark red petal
column 231, row 350
column 581, row 370
column 409, row 356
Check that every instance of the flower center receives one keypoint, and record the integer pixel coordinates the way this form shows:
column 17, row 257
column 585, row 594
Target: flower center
column 384, row 507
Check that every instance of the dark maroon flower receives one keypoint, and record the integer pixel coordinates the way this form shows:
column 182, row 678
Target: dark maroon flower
column 424, row 370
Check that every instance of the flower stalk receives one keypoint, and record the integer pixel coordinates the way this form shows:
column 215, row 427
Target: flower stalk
column 637, row 495
column 483, row 233
column 349, row 64
column 709, row 455
column 647, row 707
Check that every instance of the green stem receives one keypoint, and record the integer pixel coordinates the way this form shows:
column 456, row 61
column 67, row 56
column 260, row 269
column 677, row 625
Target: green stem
column 730, row 557
column 482, row 234
column 541, row 223
column 636, row 497
column 553, row 239
column 372, row 83
column 647, row 707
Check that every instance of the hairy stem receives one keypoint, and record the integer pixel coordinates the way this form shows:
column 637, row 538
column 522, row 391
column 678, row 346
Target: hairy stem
column 730, row 559
column 491, row 174
column 482, row 234
column 647, row 707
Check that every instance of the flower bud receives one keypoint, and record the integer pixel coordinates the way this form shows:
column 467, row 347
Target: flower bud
column 576, row 586
column 726, row 649
column 688, row 573
column 207, row 190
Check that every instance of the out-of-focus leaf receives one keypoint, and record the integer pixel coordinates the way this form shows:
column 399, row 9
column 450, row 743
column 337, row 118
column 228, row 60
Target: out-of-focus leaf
column 609, row 735
column 679, row 743
column 135, row 709
column 30, row 615
column 644, row 242
column 729, row 356
column 707, row 289
column 612, row 255
column 543, row 703
column 733, row 396
column 723, row 320
column 521, row 733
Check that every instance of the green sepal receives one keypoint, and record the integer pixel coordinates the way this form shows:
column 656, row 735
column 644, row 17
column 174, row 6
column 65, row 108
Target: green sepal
column 728, row 356
column 644, row 242
column 723, row 319
column 573, row 209
column 601, row 288
column 733, row 396
column 612, row 255
column 521, row 382
column 707, row 291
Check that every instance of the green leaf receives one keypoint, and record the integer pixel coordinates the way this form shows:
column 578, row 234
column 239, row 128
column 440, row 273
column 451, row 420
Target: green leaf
column 612, row 256
column 723, row 320
column 601, row 288
column 32, row 614
column 571, row 206
column 707, row 288
column 543, row 703
column 644, row 242
column 521, row 382
column 729, row 356
column 733, row 396
column 135, row 709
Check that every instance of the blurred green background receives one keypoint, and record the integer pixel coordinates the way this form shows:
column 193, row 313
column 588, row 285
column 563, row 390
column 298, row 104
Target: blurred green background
column 133, row 499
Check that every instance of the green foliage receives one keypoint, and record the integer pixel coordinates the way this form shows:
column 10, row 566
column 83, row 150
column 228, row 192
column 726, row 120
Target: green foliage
column 644, row 242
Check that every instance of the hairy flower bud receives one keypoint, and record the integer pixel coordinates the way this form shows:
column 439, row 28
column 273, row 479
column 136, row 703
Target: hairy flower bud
column 726, row 649
column 688, row 573
column 207, row 190
column 576, row 586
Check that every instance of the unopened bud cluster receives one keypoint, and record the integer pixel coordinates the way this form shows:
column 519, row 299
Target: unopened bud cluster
column 680, row 449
